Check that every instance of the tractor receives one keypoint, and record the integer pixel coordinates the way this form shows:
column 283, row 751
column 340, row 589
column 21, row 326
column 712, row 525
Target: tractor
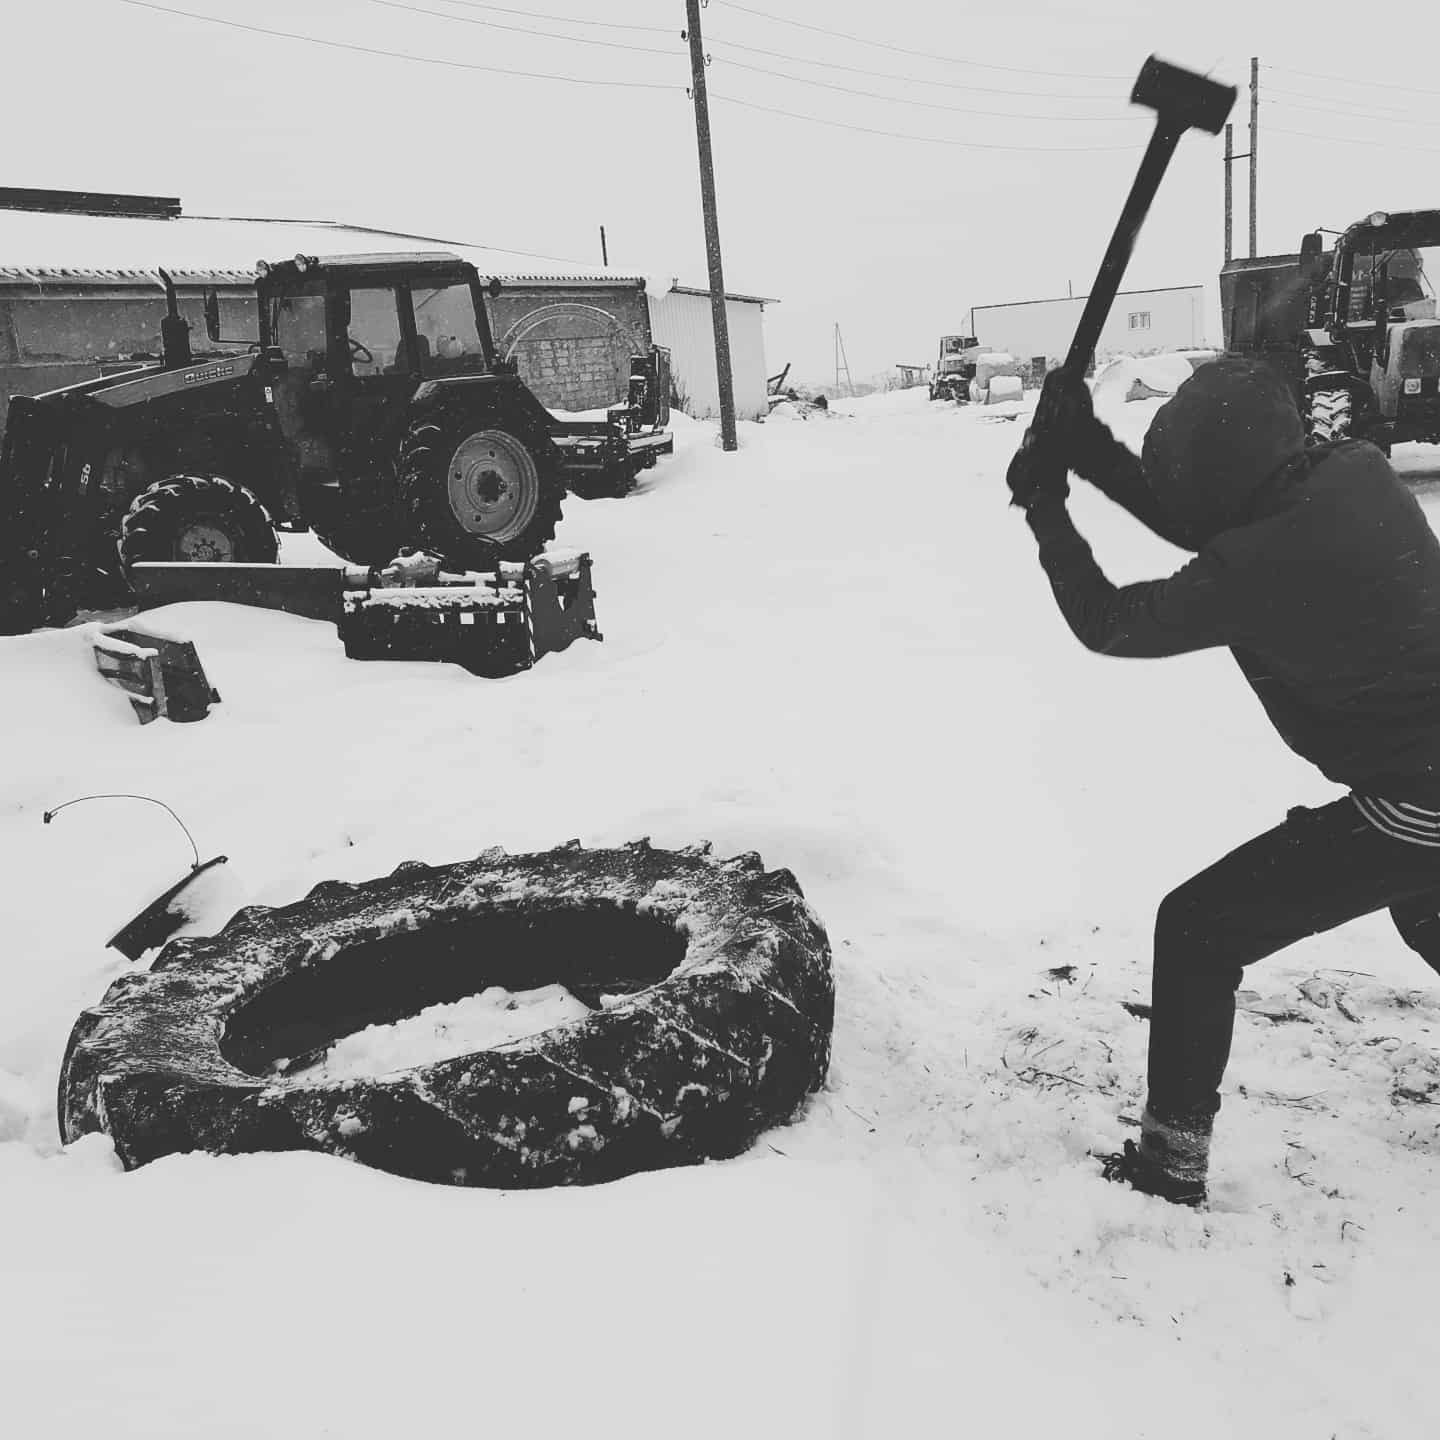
column 369, row 406
column 1354, row 328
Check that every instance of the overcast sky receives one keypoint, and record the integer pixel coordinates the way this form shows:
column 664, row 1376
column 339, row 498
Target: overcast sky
column 892, row 236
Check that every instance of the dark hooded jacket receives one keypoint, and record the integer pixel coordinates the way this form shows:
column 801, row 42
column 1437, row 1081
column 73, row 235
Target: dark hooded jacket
column 1316, row 567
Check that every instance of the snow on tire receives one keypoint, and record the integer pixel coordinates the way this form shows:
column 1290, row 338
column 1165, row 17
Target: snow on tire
column 712, row 1008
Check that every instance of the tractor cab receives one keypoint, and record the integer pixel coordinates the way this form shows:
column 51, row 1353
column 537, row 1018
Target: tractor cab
column 1374, row 328
column 351, row 340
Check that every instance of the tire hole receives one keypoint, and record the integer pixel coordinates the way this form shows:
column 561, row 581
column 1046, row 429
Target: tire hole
column 591, row 950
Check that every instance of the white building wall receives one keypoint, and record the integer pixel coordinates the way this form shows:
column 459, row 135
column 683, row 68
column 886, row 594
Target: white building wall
column 680, row 321
column 1141, row 322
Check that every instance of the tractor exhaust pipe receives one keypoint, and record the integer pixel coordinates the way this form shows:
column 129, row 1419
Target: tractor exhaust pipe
column 174, row 329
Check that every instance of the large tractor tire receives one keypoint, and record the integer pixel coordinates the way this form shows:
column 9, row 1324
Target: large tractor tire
column 708, row 982
column 197, row 518
column 366, row 537
column 476, row 493
column 1330, row 416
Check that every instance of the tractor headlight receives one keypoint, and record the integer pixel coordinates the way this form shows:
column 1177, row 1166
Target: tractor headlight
column 1412, row 385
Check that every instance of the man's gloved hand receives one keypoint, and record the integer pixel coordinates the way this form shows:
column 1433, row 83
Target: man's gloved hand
column 1065, row 414
column 1037, row 474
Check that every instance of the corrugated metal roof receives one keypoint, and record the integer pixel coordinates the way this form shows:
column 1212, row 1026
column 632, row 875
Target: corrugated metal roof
column 93, row 275
column 729, row 295
column 45, row 248
column 39, row 247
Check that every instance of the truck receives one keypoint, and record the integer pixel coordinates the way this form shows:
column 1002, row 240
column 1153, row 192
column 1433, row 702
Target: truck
column 368, row 403
column 954, row 368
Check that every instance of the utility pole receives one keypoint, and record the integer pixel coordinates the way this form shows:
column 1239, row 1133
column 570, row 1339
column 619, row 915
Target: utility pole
column 718, row 317
column 1254, row 142
column 1230, row 158
column 604, row 253
column 842, row 363
column 1229, row 194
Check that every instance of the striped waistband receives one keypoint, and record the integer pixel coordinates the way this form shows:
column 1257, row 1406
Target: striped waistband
column 1412, row 823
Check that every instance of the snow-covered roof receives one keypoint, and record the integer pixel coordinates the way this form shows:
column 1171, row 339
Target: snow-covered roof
column 38, row 247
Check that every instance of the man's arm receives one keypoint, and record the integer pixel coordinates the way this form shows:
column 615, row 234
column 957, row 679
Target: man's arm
column 1193, row 610
column 1114, row 470
column 1065, row 414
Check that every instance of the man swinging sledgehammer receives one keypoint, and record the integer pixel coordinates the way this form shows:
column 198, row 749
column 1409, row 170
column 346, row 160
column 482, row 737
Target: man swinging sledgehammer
column 1319, row 570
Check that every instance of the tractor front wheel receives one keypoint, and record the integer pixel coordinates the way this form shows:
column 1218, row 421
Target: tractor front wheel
column 476, row 494
column 1330, row 416
column 200, row 519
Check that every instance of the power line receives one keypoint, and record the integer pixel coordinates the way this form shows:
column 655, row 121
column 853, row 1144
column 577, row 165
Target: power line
column 891, row 75
column 1349, row 140
column 523, row 30
column 1352, row 114
column 926, row 104
column 399, row 54
column 1306, row 95
column 923, row 139
column 562, row 19
column 921, row 54
column 1350, row 80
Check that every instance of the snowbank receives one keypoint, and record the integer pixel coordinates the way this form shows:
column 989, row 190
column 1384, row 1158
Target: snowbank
column 1142, row 378
column 884, row 700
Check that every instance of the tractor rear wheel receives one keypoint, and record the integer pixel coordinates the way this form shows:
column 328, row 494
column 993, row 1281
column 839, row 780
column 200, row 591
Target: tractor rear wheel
column 364, row 537
column 1330, row 416
column 475, row 493
column 197, row 518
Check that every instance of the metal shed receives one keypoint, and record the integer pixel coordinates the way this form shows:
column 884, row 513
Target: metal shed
column 680, row 320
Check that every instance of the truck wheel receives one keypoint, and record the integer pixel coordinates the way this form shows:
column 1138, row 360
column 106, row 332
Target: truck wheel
column 197, row 518
column 709, row 995
column 1330, row 416
column 476, row 494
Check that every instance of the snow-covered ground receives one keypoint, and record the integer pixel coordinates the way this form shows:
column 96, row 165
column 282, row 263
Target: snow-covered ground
column 834, row 647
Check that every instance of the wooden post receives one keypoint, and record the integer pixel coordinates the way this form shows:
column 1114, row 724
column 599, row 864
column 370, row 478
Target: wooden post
column 718, row 317
column 1254, row 143
column 1229, row 193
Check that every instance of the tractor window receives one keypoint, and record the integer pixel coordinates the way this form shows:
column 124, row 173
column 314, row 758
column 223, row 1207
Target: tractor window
column 374, row 333
column 297, row 325
column 445, row 326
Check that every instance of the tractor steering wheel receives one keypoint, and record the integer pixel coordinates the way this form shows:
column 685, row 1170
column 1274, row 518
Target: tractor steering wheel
column 360, row 352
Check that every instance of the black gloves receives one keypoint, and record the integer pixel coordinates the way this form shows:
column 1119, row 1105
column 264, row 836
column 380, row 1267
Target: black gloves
column 1038, row 472
column 1063, row 436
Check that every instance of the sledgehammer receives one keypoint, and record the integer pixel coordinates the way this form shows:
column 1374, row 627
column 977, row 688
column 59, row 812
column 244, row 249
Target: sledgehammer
column 1182, row 100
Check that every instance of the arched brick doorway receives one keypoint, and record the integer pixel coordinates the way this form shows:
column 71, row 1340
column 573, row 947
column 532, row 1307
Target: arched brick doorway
column 573, row 356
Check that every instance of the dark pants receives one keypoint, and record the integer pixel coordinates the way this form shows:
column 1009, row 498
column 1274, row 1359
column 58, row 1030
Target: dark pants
column 1314, row 872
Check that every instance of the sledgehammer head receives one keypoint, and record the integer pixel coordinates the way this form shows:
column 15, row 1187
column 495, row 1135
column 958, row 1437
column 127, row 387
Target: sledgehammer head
column 1182, row 99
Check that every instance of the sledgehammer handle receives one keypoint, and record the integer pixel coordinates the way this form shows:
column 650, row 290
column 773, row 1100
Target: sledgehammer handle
column 1122, row 244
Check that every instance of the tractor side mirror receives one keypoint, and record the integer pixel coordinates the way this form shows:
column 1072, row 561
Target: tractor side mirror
column 212, row 314
column 1312, row 246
